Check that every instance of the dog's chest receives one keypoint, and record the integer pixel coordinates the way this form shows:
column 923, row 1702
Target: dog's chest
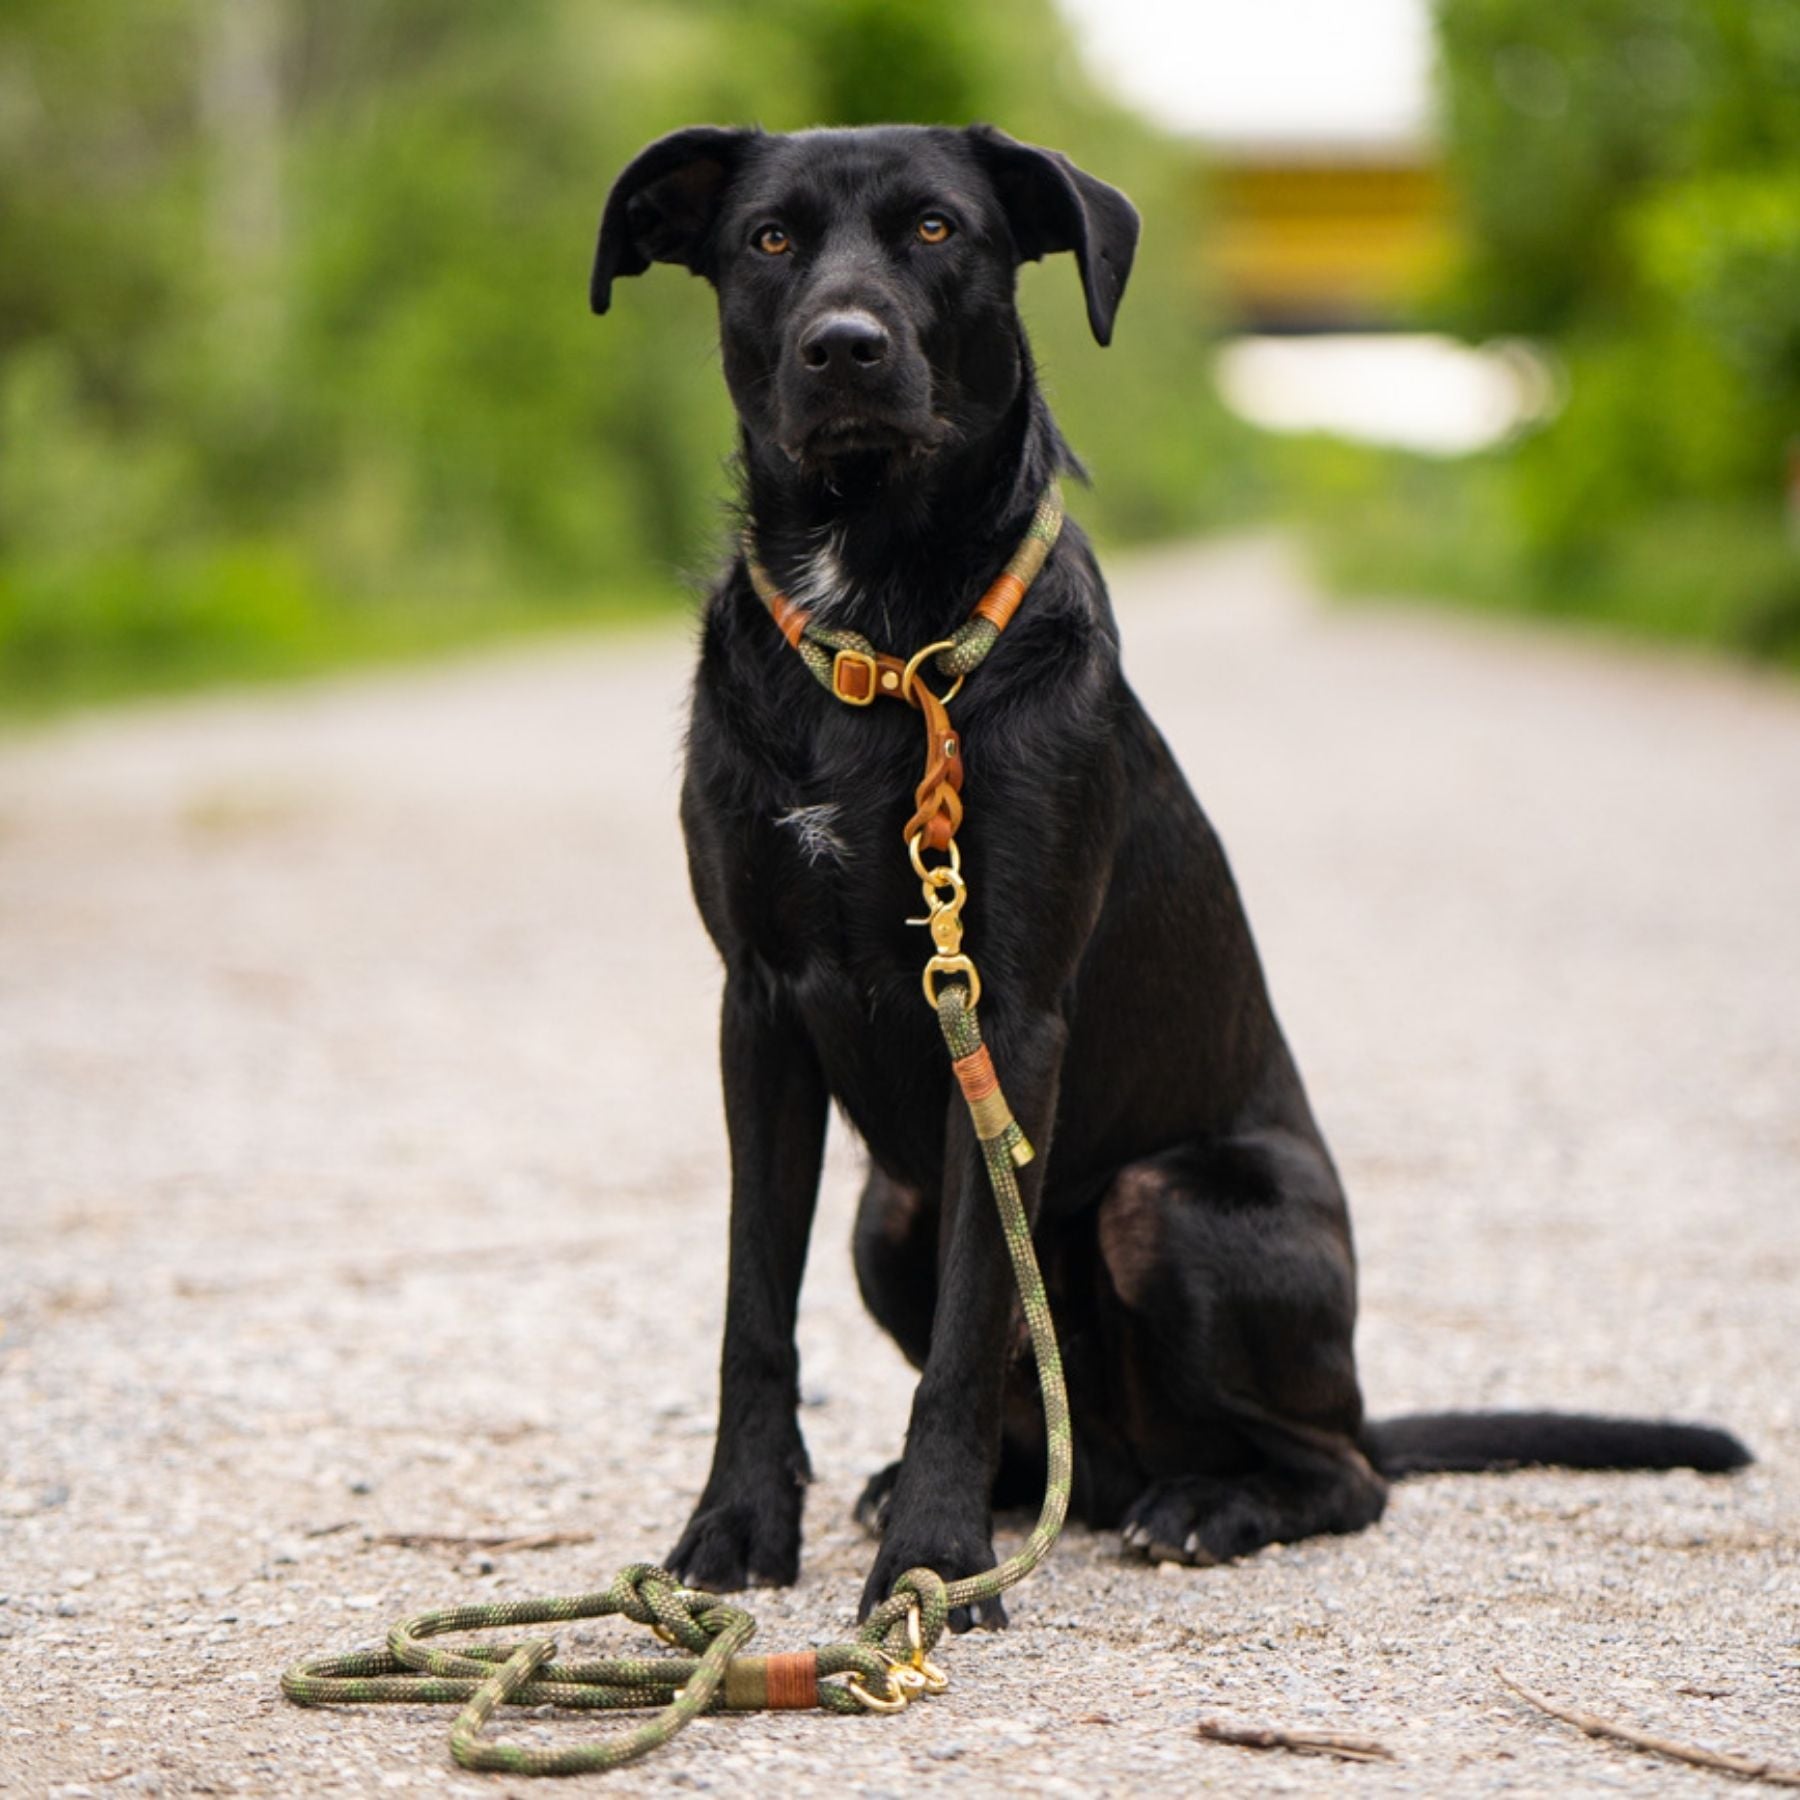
column 795, row 824
column 831, row 845
column 819, row 832
column 816, row 893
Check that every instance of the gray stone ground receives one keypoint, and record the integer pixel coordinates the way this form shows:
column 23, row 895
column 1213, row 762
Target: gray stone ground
column 362, row 1146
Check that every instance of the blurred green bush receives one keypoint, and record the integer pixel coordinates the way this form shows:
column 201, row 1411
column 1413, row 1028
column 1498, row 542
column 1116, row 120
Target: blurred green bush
column 1629, row 181
column 295, row 357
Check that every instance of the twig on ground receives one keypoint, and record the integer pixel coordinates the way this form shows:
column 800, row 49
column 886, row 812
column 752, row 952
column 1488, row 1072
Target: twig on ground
column 319, row 1531
column 1747, row 1767
column 1303, row 1743
column 496, row 1541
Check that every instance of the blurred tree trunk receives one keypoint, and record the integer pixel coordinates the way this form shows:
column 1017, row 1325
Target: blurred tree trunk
column 241, row 46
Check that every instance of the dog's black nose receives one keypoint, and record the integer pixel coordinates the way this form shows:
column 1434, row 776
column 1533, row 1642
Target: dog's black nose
column 840, row 343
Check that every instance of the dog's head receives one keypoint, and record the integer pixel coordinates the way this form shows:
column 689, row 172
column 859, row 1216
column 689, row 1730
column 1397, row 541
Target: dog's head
column 866, row 278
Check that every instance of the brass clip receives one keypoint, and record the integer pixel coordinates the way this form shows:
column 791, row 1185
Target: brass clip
column 950, row 965
column 931, row 1677
column 943, row 918
column 932, row 875
column 946, row 929
column 873, row 1702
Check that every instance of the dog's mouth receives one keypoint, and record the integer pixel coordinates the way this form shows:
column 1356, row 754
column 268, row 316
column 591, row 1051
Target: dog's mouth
column 860, row 434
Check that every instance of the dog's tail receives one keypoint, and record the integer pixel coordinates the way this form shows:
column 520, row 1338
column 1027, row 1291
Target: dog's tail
column 1467, row 1443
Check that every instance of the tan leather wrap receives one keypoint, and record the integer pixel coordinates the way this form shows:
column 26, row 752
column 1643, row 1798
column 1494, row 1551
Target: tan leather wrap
column 1001, row 601
column 976, row 1073
column 786, row 1683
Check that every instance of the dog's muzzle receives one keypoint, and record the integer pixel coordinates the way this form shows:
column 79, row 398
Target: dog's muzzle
column 849, row 387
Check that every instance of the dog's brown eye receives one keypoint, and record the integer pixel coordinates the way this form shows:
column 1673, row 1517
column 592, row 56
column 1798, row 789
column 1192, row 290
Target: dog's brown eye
column 773, row 241
column 934, row 228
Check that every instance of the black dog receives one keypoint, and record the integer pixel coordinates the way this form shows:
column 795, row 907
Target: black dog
column 1190, row 1222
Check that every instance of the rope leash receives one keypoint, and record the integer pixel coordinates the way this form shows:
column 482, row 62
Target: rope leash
column 888, row 1663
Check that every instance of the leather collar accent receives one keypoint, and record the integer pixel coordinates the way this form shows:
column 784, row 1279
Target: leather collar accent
column 852, row 670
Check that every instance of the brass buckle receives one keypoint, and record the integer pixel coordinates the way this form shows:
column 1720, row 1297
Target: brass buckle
column 856, row 659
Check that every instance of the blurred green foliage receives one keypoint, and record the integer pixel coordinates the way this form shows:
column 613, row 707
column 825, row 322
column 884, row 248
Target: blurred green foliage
column 295, row 357
column 1629, row 180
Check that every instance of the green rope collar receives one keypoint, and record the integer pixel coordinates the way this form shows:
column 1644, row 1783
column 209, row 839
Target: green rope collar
column 823, row 647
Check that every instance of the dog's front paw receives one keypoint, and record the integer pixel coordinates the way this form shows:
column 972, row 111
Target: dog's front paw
column 737, row 1543
column 953, row 1552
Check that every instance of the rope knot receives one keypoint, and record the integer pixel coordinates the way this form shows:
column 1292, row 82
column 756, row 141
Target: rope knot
column 908, row 1623
column 649, row 1595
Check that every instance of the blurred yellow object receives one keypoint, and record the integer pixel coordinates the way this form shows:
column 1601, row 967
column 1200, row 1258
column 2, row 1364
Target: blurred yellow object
column 1310, row 237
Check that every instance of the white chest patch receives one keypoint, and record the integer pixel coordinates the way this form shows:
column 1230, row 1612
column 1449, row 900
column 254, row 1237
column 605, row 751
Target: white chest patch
column 823, row 585
column 815, row 831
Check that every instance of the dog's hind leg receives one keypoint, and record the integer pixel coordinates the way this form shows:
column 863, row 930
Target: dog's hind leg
column 896, row 1249
column 1213, row 1518
column 1233, row 1299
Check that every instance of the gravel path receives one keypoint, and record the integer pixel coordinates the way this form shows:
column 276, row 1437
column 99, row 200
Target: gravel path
column 339, row 1189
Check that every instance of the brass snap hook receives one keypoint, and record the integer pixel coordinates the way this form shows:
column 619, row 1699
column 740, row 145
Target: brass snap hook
column 874, row 1702
column 943, row 917
column 929, row 1676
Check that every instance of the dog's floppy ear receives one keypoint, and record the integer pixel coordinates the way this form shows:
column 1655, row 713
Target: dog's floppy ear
column 1051, row 205
column 663, row 207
